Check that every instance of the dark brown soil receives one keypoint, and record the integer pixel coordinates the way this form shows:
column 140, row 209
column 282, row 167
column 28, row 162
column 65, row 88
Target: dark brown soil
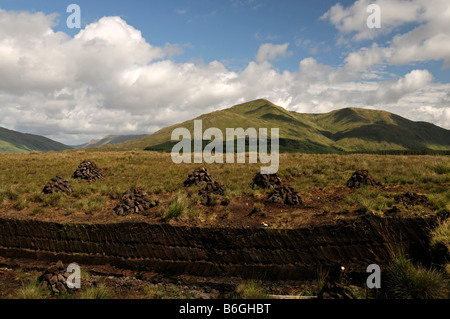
column 131, row 284
column 411, row 199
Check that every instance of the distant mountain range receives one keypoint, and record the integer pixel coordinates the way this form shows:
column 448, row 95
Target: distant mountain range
column 109, row 139
column 344, row 130
column 16, row 142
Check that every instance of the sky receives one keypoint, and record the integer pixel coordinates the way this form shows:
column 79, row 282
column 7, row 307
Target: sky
column 134, row 67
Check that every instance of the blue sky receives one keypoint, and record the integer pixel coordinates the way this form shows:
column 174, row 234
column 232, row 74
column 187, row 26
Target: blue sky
column 311, row 56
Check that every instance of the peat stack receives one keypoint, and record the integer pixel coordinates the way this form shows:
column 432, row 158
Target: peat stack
column 57, row 185
column 334, row 287
column 134, row 201
column 285, row 194
column 361, row 177
column 201, row 176
column 266, row 181
column 198, row 176
column 212, row 187
column 411, row 199
column 55, row 279
column 88, row 170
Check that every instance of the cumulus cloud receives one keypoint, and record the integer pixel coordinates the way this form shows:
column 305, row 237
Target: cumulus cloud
column 269, row 51
column 394, row 13
column 364, row 58
column 391, row 92
column 108, row 79
column 428, row 40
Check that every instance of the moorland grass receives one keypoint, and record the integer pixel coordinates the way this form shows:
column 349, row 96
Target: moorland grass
column 22, row 177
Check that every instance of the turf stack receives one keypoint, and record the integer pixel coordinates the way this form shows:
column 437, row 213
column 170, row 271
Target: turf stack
column 88, row 170
column 198, row 176
column 57, row 185
column 266, row 181
column 285, row 194
column 55, row 279
column 134, row 201
column 210, row 189
column 361, row 177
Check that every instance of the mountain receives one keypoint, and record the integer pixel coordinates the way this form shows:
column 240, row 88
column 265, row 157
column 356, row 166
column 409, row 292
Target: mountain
column 16, row 142
column 109, row 139
column 344, row 130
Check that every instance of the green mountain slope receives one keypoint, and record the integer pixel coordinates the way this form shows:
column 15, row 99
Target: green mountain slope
column 109, row 139
column 16, row 142
column 356, row 129
column 345, row 130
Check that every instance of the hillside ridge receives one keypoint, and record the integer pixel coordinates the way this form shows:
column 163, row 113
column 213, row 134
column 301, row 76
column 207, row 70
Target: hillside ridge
column 348, row 129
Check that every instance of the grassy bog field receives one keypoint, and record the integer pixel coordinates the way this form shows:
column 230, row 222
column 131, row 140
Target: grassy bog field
column 319, row 179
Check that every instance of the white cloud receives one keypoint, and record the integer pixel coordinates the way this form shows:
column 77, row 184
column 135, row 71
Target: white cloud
column 269, row 51
column 428, row 40
column 394, row 13
column 363, row 59
column 391, row 92
column 310, row 71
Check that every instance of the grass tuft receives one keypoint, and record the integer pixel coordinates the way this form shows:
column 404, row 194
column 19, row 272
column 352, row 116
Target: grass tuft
column 407, row 281
column 176, row 208
column 32, row 290
column 100, row 292
column 251, row 290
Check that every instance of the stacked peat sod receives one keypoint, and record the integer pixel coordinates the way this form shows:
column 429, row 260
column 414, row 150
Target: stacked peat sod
column 88, row 170
column 361, row 177
column 197, row 177
column 266, row 181
column 282, row 193
column 285, row 194
column 333, row 287
column 200, row 176
column 211, row 188
column 57, row 185
column 134, row 201
column 55, row 279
